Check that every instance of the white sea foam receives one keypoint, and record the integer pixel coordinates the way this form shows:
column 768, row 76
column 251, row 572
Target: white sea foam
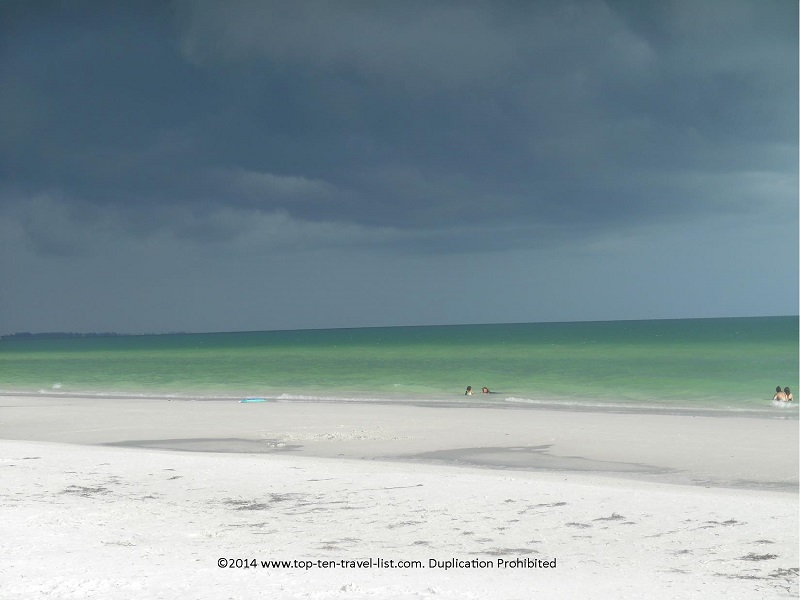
column 579, row 403
column 61, row 393
column 316, row 398
column 781, row 404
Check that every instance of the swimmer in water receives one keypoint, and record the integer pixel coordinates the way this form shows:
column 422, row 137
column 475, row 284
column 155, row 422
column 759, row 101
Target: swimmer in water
column 780, row 395
column 485, row 390
column 788, row 393
column 469, row 391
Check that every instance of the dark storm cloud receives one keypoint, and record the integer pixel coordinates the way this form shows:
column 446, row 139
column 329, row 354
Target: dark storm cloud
column 401, row 123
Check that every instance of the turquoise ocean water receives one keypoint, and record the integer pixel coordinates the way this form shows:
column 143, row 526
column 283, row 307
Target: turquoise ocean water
column 727, row 365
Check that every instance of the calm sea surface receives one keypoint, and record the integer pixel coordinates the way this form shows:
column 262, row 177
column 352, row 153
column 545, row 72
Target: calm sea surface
column 722, row 365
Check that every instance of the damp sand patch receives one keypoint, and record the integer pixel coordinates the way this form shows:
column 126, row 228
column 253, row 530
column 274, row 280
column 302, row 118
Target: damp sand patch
column 223, row 445
column 534, row 458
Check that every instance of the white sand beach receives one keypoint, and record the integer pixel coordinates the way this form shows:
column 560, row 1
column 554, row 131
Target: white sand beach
column 146, row 498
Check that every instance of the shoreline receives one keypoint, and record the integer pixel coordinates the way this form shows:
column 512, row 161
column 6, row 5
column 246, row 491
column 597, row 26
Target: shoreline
column 768, row 410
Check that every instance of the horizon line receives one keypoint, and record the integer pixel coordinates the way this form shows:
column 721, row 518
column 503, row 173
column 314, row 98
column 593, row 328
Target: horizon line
column 30, row 334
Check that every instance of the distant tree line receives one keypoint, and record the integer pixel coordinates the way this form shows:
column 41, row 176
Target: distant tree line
column 24, row 335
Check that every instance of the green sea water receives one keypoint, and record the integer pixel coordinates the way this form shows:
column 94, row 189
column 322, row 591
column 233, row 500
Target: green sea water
column 728, row 364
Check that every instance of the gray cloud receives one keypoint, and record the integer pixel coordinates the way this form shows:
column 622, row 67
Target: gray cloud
column 411, row 116
column 418, row 44
column 430, row 130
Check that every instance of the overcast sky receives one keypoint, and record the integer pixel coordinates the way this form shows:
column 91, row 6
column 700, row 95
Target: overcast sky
column 214, row 166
